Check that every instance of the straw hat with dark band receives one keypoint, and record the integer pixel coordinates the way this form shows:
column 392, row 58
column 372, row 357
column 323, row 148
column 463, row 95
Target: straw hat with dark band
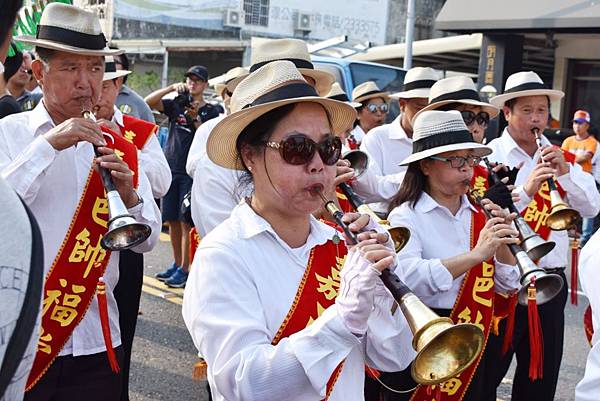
column 459, row 89
column 231, row 75
column 110, row 69
column 436, row 132
column 69, row 29
column 417, row 83
column 274, row 85
column 337, row 93
column 368, row 90
column 525, row 83
column 293, row 50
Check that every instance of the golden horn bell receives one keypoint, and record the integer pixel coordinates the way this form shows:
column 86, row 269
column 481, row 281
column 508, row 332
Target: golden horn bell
column 444, row 349
column 561, row 216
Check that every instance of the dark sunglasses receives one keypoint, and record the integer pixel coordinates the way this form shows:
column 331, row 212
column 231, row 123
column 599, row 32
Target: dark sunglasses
column 469, row 117
column 298, row 149
column 459, row 161
column 383, row 107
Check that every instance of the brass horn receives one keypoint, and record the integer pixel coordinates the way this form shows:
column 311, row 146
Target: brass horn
column 561, row 216
column 124, row 232
column 534, row 245
column 444, row 349
column 548, row 285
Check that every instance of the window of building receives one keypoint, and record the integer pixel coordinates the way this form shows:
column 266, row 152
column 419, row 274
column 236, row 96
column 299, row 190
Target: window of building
column 257, row 12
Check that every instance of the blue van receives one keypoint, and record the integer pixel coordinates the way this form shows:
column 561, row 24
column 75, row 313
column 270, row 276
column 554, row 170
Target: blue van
column 350, row 73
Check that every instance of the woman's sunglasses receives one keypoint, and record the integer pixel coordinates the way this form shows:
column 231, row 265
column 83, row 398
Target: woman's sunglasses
column 299, row 149
column 383, row 107
column 469, row 117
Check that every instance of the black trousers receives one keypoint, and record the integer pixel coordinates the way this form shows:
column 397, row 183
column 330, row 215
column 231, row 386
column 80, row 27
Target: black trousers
column 87, row 377
column 127, row 294
column 552, row 319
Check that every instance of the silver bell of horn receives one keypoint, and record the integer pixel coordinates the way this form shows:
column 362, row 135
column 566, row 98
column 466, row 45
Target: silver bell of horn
column 534, row 245
column 548, row 285
column 124, row 232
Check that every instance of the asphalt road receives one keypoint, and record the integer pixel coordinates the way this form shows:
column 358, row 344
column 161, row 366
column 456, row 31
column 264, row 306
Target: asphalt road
column 163, row 352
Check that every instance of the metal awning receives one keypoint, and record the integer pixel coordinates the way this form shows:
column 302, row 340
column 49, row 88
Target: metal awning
column 159, row 46
column 465, row 16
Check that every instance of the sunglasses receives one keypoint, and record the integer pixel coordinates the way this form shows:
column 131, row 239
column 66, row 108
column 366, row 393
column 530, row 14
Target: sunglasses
column 383, row 107
column 459, row 161
column 469, row 117
column 299, row 149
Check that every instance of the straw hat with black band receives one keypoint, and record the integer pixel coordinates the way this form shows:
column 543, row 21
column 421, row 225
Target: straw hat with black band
column 273, row 85
column 459, row 89
column 110, row 69
column 294, row 50
column 525, row 83
column 436, row 132
column 232, row 74
column 337, row 93
column 417, row 83
column 368, row 90
column 70, row 29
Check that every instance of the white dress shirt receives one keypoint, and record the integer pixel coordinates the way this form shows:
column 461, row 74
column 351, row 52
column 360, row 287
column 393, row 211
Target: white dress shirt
column 387, row 146
column 51, row 182
column 580, row 187
column 436, row 234
column 153, row 161
column 588, row 388
column 198, row 146
column 241, row 286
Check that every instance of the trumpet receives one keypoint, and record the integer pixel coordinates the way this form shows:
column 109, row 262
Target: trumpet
column 561, row 216
column 534, row 246
column 548, row 285
column 444, row 349
column 124, row 232
column 359, row 161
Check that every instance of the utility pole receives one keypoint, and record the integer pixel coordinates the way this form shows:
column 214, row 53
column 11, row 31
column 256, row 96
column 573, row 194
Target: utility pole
column 410, row 29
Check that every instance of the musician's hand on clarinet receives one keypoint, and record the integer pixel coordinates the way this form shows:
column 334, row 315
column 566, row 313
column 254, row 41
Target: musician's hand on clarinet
column 542, row 172
column 73, row 131
column 121, row 175
column 556, row 158
column 344, row 172
column 495, row 233
column 366, row 229
column 111, row 125
column 372, row 248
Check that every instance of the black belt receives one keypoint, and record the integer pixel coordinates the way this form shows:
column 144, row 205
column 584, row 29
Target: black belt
column 555, row 270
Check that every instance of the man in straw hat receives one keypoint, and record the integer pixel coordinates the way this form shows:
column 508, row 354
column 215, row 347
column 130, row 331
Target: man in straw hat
column 371, row 112
column 526, row 104
column 152, row 159
column 389, row 144
column 255, row 304
column 51, row 163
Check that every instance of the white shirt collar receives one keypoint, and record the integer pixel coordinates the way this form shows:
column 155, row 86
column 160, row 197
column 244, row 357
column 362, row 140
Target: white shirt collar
column 426, row 204
column 509, row 145
column 396, row 131
column 118, row 117
column 38, row 117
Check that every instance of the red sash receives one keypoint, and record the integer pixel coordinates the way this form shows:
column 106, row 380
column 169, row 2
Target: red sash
column 137, row 131
column 317, row 291
column 71, row 282
column 474, row 304
column 343, row 201
column 194, row 243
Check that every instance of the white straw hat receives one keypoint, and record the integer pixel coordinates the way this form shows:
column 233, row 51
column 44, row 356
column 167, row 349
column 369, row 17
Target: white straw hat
column 337, row 93
column 274, row 85
column 110, row 69
column 69, row 29
column 436, row 132
column 525, row 83
column 232, row 74
column 417, row 83
column 294, row 50
column 368, row 90
column 459, row 89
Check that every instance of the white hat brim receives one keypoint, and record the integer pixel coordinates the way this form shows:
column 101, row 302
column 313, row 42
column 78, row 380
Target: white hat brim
column 112, row 75
column 47, row 44
column 361, row 99
column 492, row 110
column 478, row 150
column 221, row 144
column 553, row 94
column 411, row 94
column 323, row 80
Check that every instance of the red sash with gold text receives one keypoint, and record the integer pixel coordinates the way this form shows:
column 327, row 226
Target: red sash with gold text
column 474, row 304
column 70, row 284
column 317, row 291
column 137, row 131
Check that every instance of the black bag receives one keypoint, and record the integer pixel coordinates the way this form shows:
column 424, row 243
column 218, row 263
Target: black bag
column 186, row 208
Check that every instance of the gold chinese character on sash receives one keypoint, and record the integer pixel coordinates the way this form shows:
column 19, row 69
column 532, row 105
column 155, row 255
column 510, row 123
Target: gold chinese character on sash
column 479, row 186
column 119, row 154
column 533, row 214
column 465, row 317
column 320, row 311
column 330, row 285
column 100, row 208
column 484, row 284
column 63, row 310
column 451, row 386
column 84, row 251
column 43, row 342
column 129, row 135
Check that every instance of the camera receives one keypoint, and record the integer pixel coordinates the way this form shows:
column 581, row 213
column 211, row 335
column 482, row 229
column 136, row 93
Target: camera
column 184, row 99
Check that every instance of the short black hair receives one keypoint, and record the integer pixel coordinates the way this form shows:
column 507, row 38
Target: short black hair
column 8, row 16
column 44, row 54
column 124, row 61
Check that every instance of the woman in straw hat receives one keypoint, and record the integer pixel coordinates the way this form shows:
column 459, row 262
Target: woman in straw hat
column 454, row 258
column 277, row 309
column 371, row 112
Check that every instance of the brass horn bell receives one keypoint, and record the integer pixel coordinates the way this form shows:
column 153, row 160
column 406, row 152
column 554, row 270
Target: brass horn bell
column 534, row 245
column 561, row 216
column 547, row 285
column 124, row 231
column 444, row 349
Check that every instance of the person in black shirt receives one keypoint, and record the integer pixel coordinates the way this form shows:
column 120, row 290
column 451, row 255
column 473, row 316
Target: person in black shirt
column 8, row 104
column 185, row 113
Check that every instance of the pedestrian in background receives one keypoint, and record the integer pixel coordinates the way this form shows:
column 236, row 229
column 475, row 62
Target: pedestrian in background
column 8, row 103
column 129, row 101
